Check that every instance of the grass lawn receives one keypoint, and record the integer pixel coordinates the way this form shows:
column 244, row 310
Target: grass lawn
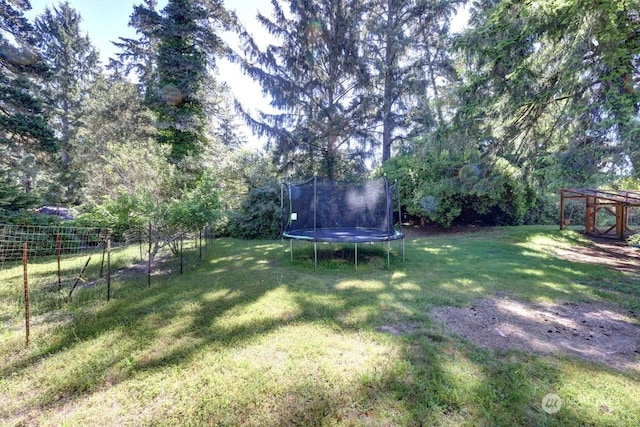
column 246, row 337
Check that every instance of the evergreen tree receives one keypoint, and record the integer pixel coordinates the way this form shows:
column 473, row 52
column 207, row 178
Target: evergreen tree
column 74, row 63
column 224, row 123
column 552, row 86
column 410, row 64
column 25, row 137
column 187, row 47
column 315, row 75
column 116, row 132
column 140, row 55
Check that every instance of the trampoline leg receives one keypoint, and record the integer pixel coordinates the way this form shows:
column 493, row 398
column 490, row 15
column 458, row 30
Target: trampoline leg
column 315, row 253
column 388, row 253
column 403, row 249
column 356, row 256
column 291, row 249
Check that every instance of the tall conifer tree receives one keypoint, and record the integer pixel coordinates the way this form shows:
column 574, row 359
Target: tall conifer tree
column 74, row 63
column 409, row 62
column 315, row 76
column 185, row 38
column 25, row 136
column 139, row 55
column 553, row 86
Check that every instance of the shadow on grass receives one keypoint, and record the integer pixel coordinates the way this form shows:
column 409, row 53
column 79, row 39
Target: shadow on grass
column 248, row 290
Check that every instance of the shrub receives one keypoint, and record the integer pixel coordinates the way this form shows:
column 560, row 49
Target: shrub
column 124, row 212
column 259, row 214
column 545, row 210
column 445, row 191
column 27, row 218
column 196, row 207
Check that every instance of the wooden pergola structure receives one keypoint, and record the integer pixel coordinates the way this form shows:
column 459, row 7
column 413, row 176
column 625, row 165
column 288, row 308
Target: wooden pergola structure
column 615, row 202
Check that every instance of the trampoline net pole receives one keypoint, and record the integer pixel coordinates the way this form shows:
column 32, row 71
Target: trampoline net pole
column 388, row 206
column 315, row 207
column 397, row 189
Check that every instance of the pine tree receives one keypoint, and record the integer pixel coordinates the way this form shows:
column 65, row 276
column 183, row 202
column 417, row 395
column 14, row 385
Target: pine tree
column 25, row 137
column 552, row 86
column 74, row 63
column 184, row 38
column 224, row 122
column 315, row 75
column 140, row 55
column 409, row 63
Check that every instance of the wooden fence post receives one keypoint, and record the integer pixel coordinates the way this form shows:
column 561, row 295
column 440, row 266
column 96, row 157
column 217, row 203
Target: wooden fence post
column 25, row 277
column 58, row 251
column 108, row 269
column 149, row 258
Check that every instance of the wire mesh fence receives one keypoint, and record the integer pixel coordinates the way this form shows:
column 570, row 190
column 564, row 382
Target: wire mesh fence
column 56, row 258
column 42, row 269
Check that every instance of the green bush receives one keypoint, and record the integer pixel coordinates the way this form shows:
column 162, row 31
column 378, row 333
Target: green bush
column 447, row 191
column 259, row 214
column 13, row 197
column 545, row 210
column 196, row 207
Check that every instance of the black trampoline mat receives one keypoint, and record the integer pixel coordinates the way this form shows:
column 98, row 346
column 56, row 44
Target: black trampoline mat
column 345, row 235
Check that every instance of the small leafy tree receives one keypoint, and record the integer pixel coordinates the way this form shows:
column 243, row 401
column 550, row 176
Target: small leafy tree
column 197, row 207
column 239, row 171
column 114, row 144
column 170, row 217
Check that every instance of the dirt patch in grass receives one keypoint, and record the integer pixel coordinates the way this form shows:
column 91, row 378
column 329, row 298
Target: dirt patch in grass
column 593, row 331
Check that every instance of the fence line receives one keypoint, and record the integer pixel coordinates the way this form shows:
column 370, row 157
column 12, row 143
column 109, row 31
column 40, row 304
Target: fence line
column 60, row 261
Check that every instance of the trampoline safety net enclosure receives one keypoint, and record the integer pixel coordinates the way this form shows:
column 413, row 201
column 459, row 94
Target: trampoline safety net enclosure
column 322, row 210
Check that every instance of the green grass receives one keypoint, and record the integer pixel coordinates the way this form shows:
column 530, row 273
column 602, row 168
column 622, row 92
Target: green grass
column 247, row 337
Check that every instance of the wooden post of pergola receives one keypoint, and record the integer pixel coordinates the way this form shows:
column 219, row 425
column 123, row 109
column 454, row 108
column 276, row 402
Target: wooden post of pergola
column 590, row 219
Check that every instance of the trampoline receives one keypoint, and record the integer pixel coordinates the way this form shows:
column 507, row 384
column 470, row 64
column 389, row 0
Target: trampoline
column 321, row 210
